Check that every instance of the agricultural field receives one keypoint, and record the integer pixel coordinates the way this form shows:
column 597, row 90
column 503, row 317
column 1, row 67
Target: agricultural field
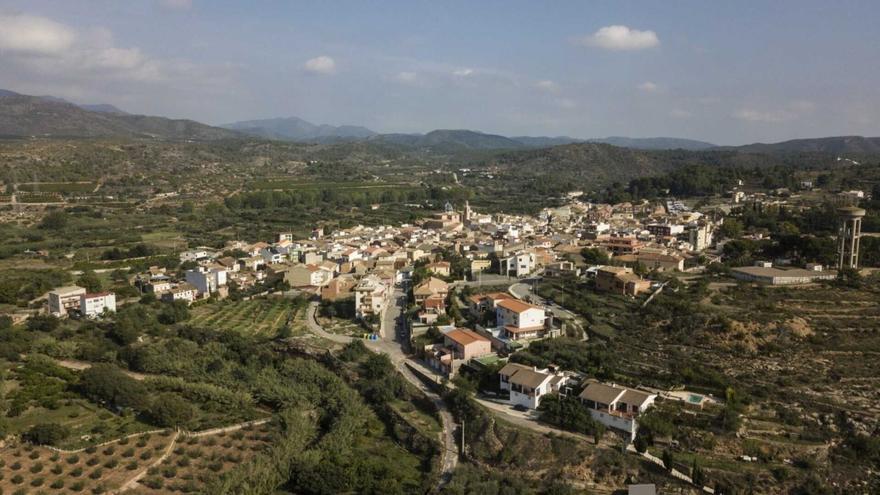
column 56, row 187
column 97, row 469
column 256, row 316
column 196, row 459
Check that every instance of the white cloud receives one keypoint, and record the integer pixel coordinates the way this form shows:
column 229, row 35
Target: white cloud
column 27, row 34
column 463, row 72
column 678, row 113
column 548, row 86
column 620, row 38
column 649, row 87
column 566, row 103
column 406, row 77
column 753, row 115
column 791, row 111
column 177, row 4
column 321, row 65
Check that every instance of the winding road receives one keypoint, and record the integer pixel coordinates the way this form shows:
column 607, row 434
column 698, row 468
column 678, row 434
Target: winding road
column 390, row 343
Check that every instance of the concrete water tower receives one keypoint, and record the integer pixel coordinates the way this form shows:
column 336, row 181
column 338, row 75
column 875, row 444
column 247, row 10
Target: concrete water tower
column 848, row 238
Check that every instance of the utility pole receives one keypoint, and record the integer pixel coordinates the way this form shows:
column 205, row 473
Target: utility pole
column 462, row 436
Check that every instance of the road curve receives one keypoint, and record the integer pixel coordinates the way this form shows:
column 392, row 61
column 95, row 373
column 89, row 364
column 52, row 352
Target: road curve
column 386, row 345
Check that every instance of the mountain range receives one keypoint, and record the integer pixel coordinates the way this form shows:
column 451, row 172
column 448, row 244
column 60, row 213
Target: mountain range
column 296, row 129
column 48, row 116
column 25, row 116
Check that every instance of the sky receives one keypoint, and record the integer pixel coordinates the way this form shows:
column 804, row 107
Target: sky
column 724, row 72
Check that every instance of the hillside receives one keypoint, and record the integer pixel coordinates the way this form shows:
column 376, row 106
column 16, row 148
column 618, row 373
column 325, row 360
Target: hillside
column 296, row 129
column 23, row 115
column 451, row 141
column 655, row 143
column 837, row 144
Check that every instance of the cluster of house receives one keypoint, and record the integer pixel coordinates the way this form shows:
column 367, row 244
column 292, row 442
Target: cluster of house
column 73, row 299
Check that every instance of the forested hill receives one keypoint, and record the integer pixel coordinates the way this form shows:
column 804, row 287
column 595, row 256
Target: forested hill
column 25, row 116
column 591, row 163
column 838, row 144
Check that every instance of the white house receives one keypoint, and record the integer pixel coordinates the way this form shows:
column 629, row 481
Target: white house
column 520, row 264
column 183, row 292
column 520, row 320
column 63, row 299
column 615, row 406
column 370, row 296
column 527, row 385
column 206, row 280
column 95, row 304
column 272, row 255
column 308, row 275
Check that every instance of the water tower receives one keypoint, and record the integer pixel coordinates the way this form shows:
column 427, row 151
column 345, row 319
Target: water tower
column 848, row 238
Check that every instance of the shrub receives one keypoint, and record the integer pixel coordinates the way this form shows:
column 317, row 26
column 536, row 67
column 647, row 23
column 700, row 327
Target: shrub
column 17, row 479
column 73, row 459
column 57, row 469
column 110, row 450
column 37, row 467
column 183, row 462
column 91, row 449
column 169, row 471
column 77, row 471
column 46, row 434
column 154, row 482
column 77, row 486
column 123, row 441
column 96, row 474
column 131, row 466
column 145, row 455
column 15, row 466
column 57, row 484
column 38, row 481
column 34, row 455
column 93, row 461
column 111, row 463
column 142, row 442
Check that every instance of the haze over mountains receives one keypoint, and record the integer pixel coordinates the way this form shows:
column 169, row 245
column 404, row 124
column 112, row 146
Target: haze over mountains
column 49, row 116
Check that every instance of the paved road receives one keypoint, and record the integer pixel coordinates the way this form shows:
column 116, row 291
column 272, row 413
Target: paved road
column 391, row 344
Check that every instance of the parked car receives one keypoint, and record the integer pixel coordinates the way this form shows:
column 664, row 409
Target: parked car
column 520, row 408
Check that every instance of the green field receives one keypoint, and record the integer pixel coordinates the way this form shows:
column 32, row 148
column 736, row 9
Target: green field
column 299, row 185
column 59, row 187
column 262, row 316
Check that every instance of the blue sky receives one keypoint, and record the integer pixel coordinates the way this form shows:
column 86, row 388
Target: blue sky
column 726, row 72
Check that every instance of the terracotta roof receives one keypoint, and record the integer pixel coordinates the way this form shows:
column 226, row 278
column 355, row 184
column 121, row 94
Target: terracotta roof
column 465, row 336
column 516, row 305
column 601, row 393
column 524, row 375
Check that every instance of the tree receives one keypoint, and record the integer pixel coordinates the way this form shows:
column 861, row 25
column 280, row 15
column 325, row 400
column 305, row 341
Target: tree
column 43, row 323
column 595, row 256
column 55, row 220
column 174, row 312
column 697, row 474
column 105, row 383
column 667, row 459
column 731, row 228
column 46, row 433
column 170, row 410
column 89, row 279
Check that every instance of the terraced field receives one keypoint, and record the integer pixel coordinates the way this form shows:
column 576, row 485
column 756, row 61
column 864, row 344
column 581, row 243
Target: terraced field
column 263, row 316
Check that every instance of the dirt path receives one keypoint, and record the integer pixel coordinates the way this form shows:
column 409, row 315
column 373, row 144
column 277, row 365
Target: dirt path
column 81, row 365
column 132, row 483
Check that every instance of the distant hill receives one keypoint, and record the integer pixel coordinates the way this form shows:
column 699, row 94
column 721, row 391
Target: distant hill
column 655, row 143
column 297, row 129
column 450, row 141
column 838, row 144
column 23, row 115
column 104, row 108
column 546, row 142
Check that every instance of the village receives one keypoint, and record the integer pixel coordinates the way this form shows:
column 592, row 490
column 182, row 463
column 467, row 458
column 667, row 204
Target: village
column 454, row 292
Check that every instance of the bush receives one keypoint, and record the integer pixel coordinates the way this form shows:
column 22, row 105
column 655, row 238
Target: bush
column 46, row 434
column 37, row 467
column 131, row 466
column 76, row 472
column 17, row 479
column 77, row 486
column 57, row 469
column 57, row 484
column 73, row 459
column 96, row 474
